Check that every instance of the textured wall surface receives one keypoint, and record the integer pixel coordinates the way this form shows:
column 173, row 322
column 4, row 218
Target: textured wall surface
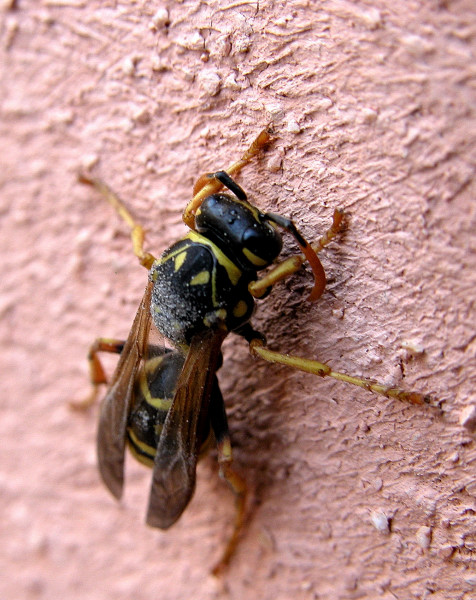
column 374, row 108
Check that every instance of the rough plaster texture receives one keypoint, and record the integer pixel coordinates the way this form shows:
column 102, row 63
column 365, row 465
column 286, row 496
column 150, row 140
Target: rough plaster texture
column 374, row 107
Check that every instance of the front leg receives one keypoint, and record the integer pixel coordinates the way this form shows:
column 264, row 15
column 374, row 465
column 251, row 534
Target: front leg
column 209, row 183
column 291, row 265
column 136, row 231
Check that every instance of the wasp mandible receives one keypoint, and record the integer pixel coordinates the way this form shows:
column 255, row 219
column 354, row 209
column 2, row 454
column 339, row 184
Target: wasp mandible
column 165, row 402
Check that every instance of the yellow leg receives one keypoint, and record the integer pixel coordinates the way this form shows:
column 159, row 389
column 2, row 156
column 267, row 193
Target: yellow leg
column 239, row 488
column 292, row 264
column 137, row 232
column 317, row 368
column 206, row 185
column 96, row 370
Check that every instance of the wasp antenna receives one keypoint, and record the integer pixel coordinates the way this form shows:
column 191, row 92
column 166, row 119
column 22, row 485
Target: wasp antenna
column 307, row 250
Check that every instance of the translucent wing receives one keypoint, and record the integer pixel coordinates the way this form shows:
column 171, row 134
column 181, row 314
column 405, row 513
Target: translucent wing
column 173, row 480
column 115, row 408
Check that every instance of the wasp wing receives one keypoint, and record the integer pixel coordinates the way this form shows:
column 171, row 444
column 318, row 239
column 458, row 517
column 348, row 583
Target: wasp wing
column 175, row 462
column 115, row 408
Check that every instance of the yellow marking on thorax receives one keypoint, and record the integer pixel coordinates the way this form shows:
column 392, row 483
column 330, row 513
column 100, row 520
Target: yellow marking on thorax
column 240, row 309
column 234, row 273
column 180, row 259
column 171, row 255
column 200, row 278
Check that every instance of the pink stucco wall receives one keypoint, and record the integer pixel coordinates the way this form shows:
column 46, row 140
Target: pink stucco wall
column 373, row 104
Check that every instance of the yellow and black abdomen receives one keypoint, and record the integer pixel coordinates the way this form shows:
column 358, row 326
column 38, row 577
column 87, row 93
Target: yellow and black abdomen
column 154, row 391
column 153, row 394
column 196, row 284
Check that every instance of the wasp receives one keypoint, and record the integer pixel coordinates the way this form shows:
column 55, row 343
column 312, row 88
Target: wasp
column 164, row 400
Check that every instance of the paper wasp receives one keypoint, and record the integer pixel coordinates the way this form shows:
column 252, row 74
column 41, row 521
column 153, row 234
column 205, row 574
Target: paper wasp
column 165, row 402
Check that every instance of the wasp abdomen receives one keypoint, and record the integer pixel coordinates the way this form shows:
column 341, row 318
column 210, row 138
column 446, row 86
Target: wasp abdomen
column 154, row 390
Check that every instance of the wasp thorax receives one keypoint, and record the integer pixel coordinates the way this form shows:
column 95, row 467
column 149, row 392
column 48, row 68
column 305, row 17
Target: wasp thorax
column 240, row 230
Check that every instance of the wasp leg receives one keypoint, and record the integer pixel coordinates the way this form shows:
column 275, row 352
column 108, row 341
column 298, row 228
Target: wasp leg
column 227, row 181
column 236, row 482
column 209, row 183
column 323, row 370
column 292, row 264
column 97, row 374
column 96, row 371
column 137, row 231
